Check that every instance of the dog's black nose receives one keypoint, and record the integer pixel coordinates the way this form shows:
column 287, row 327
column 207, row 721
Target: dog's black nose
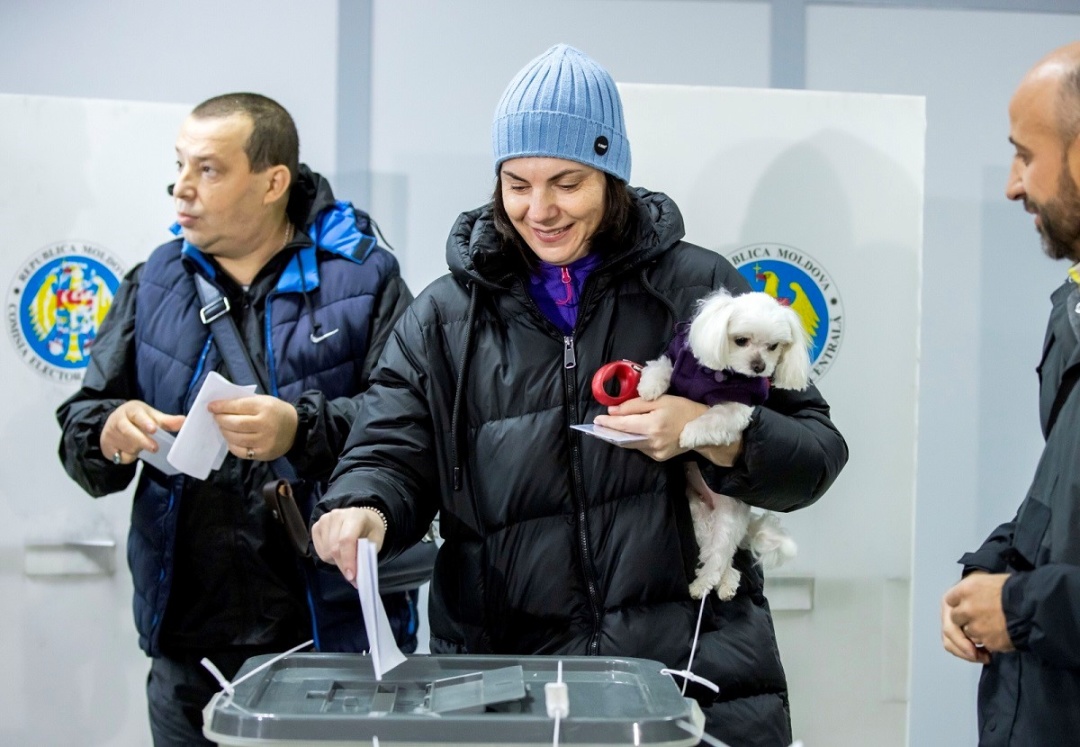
column 757, row 366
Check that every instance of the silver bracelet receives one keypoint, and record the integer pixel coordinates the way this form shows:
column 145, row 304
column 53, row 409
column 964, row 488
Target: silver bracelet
column 380, row 514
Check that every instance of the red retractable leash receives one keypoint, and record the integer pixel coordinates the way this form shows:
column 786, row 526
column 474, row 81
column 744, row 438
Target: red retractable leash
column 625, row 373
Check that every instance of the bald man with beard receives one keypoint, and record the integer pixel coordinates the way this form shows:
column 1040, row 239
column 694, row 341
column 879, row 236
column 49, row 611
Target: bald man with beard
column 1017, row 610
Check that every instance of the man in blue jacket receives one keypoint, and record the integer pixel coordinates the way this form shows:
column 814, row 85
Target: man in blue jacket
column 1016, row 610
column 313, row 298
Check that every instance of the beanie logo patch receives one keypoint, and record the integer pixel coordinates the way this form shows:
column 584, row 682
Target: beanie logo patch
column 601, row 145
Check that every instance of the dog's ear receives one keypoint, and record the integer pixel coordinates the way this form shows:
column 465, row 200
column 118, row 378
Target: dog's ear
column 793, row 368
column 708, row 335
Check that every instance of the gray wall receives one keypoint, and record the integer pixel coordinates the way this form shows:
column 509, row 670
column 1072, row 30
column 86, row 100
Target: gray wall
column 986, row 289
column 400, row 111
column 439, row 68
column 180, row 52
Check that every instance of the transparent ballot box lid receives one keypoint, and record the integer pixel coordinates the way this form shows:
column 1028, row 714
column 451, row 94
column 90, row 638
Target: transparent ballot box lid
column 327, row 700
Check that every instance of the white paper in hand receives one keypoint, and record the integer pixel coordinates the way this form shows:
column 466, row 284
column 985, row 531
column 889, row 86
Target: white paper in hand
column 611, row 435
column 385, row 654
column 160, row 458
column 199, row 446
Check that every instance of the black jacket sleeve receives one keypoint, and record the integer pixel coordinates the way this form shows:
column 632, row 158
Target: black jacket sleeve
column 108, row 383
column 791, row 454
column 323, row 425
column 1041, row 606
column 1042, row 613
column 989, row 556
column 389, row 461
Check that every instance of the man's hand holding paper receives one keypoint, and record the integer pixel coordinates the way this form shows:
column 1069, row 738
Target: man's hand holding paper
column 200, row 446
column 256, row 427
column 130, row 429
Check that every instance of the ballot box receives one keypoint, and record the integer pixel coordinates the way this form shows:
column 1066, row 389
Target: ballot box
column 332, row 700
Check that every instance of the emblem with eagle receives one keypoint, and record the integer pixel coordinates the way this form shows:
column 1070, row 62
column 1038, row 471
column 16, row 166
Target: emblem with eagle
column 67, row 307
column 797, row 280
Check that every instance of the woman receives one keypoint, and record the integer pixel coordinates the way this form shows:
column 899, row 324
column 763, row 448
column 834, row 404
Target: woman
column 556, row 542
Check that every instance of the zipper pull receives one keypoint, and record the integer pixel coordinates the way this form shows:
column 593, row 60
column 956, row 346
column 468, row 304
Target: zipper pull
column 568, row 358
column 569, row 288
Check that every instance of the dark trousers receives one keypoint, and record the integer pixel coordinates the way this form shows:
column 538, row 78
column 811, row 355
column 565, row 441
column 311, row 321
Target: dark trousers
column 177, row 690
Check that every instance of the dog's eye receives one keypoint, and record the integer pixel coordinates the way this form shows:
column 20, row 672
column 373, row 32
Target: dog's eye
column 741, row 341
column 774, row 346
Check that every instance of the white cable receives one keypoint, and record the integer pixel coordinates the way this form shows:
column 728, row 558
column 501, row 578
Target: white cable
column 706, row 738
column 686, row 674
column 273, row 661
column 230, row 687
column 697, row 632
column 709, row 739
column 557, row 702
column 225, row 684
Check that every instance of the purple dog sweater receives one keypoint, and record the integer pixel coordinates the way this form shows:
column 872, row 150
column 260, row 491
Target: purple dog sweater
column 694, row 381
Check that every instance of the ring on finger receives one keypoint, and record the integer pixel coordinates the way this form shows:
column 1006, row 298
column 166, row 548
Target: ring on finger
column 251, row 454
column 116, row 457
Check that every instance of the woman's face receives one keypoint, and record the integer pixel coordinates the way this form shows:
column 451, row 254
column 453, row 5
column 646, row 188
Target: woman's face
column 555, row 205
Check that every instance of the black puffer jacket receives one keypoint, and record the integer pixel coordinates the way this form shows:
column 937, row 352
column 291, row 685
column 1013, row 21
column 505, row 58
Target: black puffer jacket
column 556, row 542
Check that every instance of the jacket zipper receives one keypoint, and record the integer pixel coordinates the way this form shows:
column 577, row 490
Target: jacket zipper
column 569, row 363
column 577, row 487
column 271, row 368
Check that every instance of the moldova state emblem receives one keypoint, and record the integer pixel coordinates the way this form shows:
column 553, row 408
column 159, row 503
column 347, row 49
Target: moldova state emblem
column 56, row 304
column 795, row 279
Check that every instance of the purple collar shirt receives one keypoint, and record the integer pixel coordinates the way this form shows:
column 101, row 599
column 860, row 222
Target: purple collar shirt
column 557, row 289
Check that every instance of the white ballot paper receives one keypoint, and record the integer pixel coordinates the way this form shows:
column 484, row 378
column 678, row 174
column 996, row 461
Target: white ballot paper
column 199, row 446
column 160, row 458
column 610, row 435
column 385, row 654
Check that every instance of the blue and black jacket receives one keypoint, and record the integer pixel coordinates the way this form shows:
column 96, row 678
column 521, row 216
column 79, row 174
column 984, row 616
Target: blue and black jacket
column 212, row 570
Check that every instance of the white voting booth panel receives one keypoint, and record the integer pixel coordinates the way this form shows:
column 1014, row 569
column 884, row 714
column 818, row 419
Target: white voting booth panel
column 83, row 201
column 819, row 191
column 817, row 197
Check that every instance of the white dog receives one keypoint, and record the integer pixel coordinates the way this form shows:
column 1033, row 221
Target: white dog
column 725, row 358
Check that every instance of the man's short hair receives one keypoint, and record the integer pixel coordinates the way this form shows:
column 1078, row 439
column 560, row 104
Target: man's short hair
column 273, row 140
column 1068, row 105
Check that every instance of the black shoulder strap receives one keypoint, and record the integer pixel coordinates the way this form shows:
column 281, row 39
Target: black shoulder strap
column 215, row 314
column 409, row 570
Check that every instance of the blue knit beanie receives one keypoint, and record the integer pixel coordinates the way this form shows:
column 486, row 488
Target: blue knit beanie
column 563, row 105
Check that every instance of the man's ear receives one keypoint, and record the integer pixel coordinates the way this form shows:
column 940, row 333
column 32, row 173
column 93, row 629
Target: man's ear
column 278, row 182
